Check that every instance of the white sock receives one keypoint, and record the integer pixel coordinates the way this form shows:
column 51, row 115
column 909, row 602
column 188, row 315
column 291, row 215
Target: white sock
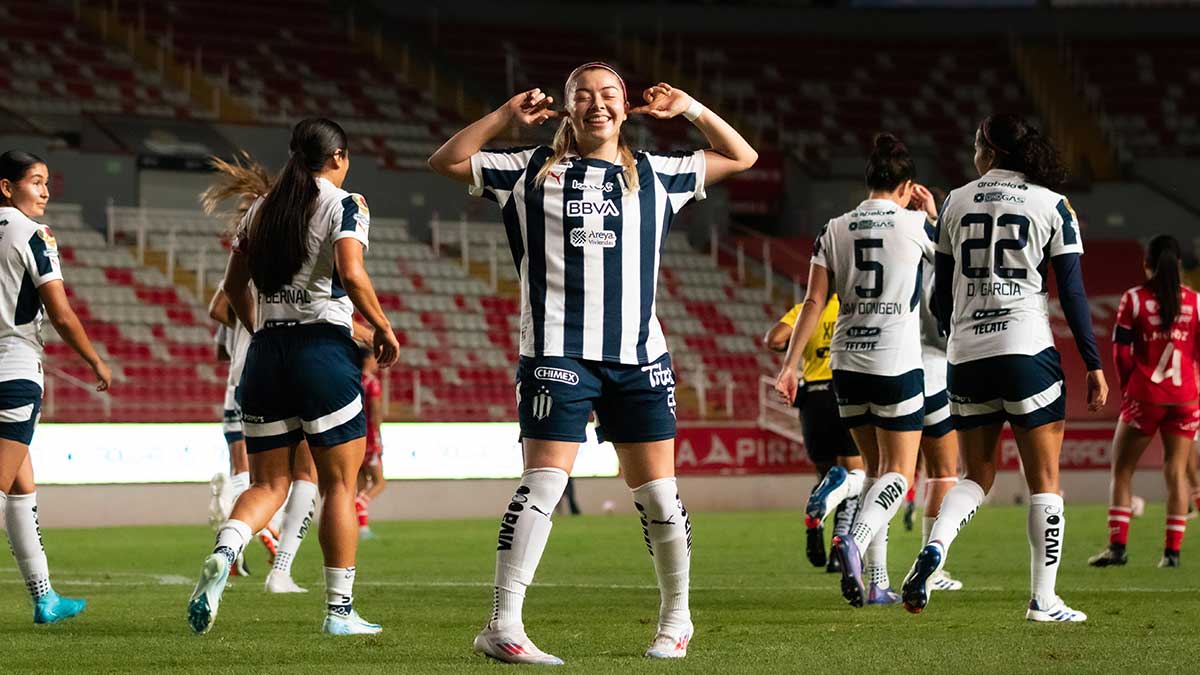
column 25, row 537
column 668, row 533
column 1046, row 525
column 524, row 530
column 958, row 507
column 232, row 538
column 297, row 516
column 239, row 483
column 926, row 528
column 877, row 507
column 276, row 522
column 876, row 559
column 339, row 589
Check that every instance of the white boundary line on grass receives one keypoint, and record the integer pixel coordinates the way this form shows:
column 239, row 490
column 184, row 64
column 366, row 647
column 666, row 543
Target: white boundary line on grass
column 149, row 579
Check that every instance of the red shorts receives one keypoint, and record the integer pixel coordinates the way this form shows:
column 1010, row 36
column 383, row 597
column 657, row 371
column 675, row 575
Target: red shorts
column 1150, row 418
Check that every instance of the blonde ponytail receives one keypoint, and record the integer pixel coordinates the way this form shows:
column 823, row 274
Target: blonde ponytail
column 243, row 179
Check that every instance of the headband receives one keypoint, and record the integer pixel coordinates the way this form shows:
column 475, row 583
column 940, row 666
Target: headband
column 988, row 138
column 595, row 64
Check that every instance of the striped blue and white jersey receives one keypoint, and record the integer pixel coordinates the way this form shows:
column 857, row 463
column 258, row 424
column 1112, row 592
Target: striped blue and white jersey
column 28, row 259
column 877, row 255
column 1002, row 232
column 315, row 294
column 587, row 247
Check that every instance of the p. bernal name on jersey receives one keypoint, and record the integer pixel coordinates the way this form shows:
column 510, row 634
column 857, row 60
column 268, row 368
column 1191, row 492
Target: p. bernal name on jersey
column 288, row 296
column 987, row 288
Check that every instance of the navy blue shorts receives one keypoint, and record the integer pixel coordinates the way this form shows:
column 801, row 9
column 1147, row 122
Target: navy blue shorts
column 938, row 420
column 1026, row 391
column 301, row 382
column 825, row 436
column 892, row 402
column 633, row 404
column 20, row 403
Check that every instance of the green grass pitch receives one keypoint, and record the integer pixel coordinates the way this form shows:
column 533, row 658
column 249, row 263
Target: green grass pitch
column 757, row 604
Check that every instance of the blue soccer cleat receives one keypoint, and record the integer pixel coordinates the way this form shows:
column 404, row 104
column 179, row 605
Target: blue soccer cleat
column 349, row 624
column 878, row 595
column 833, row 481
column 916, row 588
column 52, row 608
column 202, row 608
column 845, row 551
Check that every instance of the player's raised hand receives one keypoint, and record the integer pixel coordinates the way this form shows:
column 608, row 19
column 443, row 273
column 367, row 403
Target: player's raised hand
column 531, row 108
column 922, row 200
column 663, row 102
column 1097, row 390
column 787, row 384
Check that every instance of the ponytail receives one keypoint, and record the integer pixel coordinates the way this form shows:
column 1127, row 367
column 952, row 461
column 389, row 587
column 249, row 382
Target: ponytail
column 277, row 243
column 890, row 163
column 1162, row 257
column 1020, row 147
column 243, row 179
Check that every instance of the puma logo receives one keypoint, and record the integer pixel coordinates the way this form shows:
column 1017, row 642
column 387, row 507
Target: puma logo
column 557, row 176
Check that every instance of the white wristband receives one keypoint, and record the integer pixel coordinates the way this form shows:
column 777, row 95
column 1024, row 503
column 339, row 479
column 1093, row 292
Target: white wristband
column 694, row 110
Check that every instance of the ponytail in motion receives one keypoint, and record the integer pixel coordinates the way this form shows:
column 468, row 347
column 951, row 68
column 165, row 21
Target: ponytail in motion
column 277, row 242
column 243, row 179
column 1020, row 147
column 1162, row 258
column 890, row 164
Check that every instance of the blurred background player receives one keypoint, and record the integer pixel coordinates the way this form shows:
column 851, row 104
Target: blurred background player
column 370, row 476
column 31, row 290
column 826, row 440
column 1154, row 347
column 873, row 257
column 990, row 297
column 302, row 245
column 243, row 181
column 587, row 219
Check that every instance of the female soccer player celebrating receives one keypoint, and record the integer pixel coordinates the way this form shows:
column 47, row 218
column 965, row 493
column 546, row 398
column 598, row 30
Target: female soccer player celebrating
column 302, row 245
column 1154, row 347
column 873, row 257
column 994, row 236
column 31, row 287
column 586, row 220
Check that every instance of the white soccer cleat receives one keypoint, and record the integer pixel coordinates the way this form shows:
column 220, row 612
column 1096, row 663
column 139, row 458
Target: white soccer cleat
column 512, row 645
column 671, row 644
column 278, row 582
column 349, row 624
column 942, row 581
column 1057, row 612
column 202, row 608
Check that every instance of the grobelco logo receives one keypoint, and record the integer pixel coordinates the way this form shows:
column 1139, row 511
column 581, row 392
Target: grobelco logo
column 556, row 375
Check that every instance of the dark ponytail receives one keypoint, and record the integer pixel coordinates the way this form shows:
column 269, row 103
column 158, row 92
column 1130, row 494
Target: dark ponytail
column 1162, row 257
column 1020, row 147
column 14, row 164
column 889, row 164
column 277, row 243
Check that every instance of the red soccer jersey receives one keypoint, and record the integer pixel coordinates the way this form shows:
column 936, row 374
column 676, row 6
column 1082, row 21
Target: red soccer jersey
column 1154, row 364
column 372, row 389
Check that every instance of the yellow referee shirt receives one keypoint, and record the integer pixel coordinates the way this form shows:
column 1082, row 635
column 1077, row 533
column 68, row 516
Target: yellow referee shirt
column 815, row 357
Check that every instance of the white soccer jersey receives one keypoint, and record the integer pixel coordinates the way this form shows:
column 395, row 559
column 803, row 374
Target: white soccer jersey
column 315, row 294
column 237, row 341
column 28, row 259
column 933, row 344
column 1002, row 232
column 588, row 250
column 877, row 255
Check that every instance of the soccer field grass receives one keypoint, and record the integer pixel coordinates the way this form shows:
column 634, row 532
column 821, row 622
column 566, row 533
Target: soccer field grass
column 757, row 604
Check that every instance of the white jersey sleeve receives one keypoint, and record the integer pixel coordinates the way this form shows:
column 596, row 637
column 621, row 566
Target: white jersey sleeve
column 351, row 219
column 682, row 174
column 494, row 173
column 1066, row 230
column 40, row 254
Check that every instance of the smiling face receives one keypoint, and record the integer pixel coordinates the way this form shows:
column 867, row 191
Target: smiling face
column 596, row 104
column 30, row 194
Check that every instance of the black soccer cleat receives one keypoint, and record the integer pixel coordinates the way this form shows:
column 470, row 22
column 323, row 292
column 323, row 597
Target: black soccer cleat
column 1170, row 559
column 1112, row 555
column 814, row 545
